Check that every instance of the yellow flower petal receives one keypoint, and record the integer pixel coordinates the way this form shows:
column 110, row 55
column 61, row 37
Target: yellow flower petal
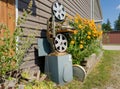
column 88, row 37
column 81, row 42
column 72, row 42
column 80, row 26
column 75, row 31
column 81, row 46
column 89, row 33
column 76, row 20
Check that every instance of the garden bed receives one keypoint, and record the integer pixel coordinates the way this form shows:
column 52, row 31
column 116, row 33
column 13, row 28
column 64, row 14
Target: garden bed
column 90, row 62
column 80, row 71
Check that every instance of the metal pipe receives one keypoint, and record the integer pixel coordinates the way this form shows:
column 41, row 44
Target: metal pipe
column 53, row 26
column 91, row 10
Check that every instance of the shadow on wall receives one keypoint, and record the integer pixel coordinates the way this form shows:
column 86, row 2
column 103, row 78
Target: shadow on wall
column 43, row 50
column 12, row 2
column 33, row 8
column 23, row 4
column 39, row 61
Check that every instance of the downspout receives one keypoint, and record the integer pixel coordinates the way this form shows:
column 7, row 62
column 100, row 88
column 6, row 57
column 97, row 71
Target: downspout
column 91, row 11
column 16, row 6
column 16, row 9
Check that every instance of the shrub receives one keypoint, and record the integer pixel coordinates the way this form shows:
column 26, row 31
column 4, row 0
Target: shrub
column 12, row 51
column 85, row 39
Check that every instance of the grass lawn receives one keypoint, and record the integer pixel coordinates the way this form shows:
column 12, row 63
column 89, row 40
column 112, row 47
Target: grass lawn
column 99, row 78
column 100, row 75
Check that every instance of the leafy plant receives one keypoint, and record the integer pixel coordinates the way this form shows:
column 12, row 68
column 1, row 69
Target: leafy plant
column 40, row 85
column 25, row 75
column 107, row 26
column 98, row 78
column 85, row 38
column 117, row 23
column 13, row 47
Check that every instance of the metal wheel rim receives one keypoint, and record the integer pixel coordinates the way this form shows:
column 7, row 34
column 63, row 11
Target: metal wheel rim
column 60, row 43
column 58, row 11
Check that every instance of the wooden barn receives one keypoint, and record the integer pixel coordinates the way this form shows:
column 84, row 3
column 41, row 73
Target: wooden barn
column 10, row 10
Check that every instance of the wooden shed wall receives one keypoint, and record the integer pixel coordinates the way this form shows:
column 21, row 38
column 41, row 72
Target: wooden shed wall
column 97, row 10
column 36, row 23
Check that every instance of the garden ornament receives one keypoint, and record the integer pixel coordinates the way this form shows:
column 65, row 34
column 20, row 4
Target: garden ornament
column 56, row 30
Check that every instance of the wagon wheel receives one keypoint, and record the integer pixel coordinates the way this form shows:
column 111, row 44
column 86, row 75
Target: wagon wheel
column 58, row 11
column 60, row 43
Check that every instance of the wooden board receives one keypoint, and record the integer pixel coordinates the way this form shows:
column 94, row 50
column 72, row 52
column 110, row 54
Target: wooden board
column 7, row 15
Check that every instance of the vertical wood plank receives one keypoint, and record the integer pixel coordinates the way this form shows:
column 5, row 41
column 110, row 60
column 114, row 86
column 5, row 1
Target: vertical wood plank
column 3, row 14
column 7, row 14
column 11, row 15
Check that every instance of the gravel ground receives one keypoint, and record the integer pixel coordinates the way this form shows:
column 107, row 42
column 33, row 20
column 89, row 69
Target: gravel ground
column 111, row 47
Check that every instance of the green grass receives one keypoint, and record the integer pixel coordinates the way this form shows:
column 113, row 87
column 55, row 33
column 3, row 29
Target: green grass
column 98, row 78
column 101, row 74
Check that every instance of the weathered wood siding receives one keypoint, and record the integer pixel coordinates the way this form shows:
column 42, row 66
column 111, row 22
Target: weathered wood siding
column 36, row 23
column 97, row 10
